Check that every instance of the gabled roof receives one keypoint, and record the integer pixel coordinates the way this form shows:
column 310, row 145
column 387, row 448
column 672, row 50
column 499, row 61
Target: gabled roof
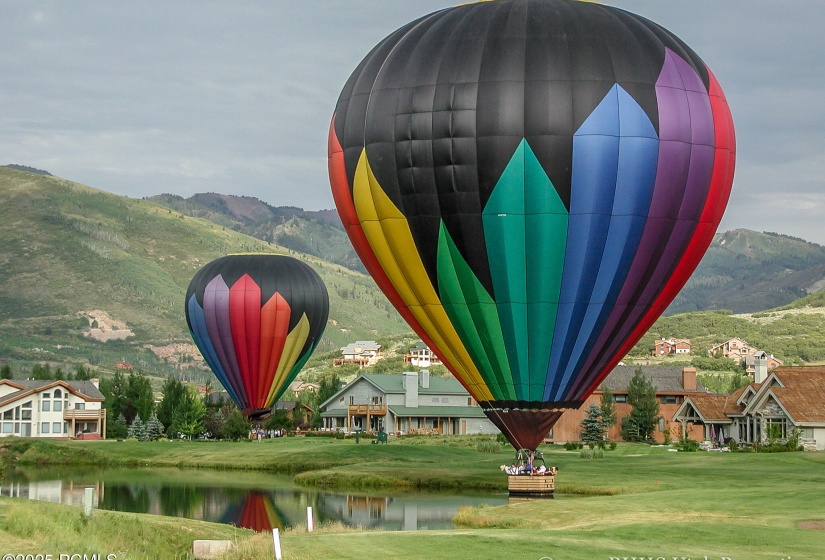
column 666, row 379
column 289, row 405
column 362, row 345
column 389, row 383
column 711, row 408
column 800, row 391
column 26, row 387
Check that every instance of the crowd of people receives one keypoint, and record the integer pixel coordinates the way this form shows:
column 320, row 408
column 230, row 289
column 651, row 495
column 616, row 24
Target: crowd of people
column 529, row 469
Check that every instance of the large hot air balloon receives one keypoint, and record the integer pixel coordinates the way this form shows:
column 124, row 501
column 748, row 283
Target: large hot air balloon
column 256, row 319
column 531, row 182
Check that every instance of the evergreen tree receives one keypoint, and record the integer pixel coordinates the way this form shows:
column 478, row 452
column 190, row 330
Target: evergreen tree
column 236, row 426
column 139, row 399
column 593, row 426
column 215, row 419
column 137, row 429
column 644, row 414
column 82, row 374
column 154, row 429
column 608, row 406
column 58, row 374
column 114, row 391
column 119, row 429
column 5, row 372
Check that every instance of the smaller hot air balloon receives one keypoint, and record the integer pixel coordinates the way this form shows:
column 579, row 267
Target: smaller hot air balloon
column 256, row 319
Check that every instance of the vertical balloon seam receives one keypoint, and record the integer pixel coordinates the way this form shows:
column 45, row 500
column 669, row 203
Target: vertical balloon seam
column 197, row 328
column 294, row 342
column 476, row 322
column 243, row 330
column 216, row 306
column 273, row 315
column 433, row 315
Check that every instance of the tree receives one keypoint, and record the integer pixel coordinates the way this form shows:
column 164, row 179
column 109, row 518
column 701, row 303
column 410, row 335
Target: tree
column 279, row 421
column 139, row 397
column 137, row 429
column 119, row 429
column 236, row 426
column 154, row 429
column 640, row 424
column 299, row 416
column 82, row 374
column 41, row 372
column 173, row 393
column 5, row 372
column 114, row 391
column 187, row 418
column 593, row 426
column 609, row 414
column 215, row 420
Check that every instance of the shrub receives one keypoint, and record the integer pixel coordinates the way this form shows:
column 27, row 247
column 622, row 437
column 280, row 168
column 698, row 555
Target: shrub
column 488, row 447
column 613, row 446
column 571, row 446
column 592, row 454
column 687, row 445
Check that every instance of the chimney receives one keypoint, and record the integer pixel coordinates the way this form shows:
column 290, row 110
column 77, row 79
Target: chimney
column 95, row 382
column 410, row 389
column 424, row 378
column 689, row 378
column 760, row 367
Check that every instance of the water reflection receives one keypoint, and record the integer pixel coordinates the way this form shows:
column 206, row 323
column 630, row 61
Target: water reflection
column 251, row 500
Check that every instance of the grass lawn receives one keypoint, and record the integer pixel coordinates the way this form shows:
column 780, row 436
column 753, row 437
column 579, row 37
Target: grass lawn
column 638, row 501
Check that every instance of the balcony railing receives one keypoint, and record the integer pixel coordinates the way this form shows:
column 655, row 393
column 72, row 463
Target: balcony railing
column 81, row 414
column 364, row 409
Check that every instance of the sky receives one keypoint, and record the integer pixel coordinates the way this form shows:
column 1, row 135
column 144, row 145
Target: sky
column 148, row 97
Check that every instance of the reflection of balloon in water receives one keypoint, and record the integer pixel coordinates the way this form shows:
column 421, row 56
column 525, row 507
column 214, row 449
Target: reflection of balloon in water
column 531, row 183
column 256, row 511
column 256, row 318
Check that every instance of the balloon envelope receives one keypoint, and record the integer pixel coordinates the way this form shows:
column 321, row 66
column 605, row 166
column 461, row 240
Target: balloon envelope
column 256, row 319
column 531, row 183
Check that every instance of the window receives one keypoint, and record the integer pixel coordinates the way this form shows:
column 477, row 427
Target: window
column 44, row 428
column 47, row 395
column 46, row 406
column 65, row 427
column 57, row 393
column 27, row 404
column 435, row 399
column 619, row 398
column 8, row 427
column 58, row 406
column 56, row 427
column 27, row 415
column 445, row 399
column 670, row 399
column 8, row 415
column 80, row 406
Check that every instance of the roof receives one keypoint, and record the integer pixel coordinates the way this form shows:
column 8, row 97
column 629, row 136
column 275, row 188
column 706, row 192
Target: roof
column 441, row 411
column 393, row 383
column 85, row 389
column 710, row 407
column 666, row 379
column 288, row 405
column 368, row 345
column 803, row 392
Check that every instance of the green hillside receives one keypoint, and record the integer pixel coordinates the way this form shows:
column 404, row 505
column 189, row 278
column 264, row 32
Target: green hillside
column 73, row 257
column 747, row 271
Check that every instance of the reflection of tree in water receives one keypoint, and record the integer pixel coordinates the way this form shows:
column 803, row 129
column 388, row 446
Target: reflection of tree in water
column 137, row 498
column 180, row 501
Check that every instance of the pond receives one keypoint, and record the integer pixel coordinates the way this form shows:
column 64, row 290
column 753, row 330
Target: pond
column 257, row 501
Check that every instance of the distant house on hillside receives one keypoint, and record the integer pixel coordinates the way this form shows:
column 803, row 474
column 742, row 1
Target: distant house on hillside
column 735, row 349
column 667, row 346
column 750, row 362
column 298, row 387
column 421, row 356
column 776, row 403
column 362, row 352
column 52, row 409
column 410, row 403
column 673, row 385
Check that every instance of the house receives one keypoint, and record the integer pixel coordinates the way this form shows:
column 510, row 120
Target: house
column 362, row 352
column 774, row 405
column 289, row 408
column 409, row 403
column 750, row 361
column 735, row 349
column 52, row 409
column 667, row 346
column 421, row 356
column 297, row 387
column 673, row 385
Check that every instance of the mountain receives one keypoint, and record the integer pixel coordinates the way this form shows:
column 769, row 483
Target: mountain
column 88, row 276
column 318, row 233
column 746, row 271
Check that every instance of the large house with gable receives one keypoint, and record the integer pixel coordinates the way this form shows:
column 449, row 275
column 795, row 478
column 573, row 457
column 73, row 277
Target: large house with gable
column 789, row 398
column 52, row 409
column 408, row 403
